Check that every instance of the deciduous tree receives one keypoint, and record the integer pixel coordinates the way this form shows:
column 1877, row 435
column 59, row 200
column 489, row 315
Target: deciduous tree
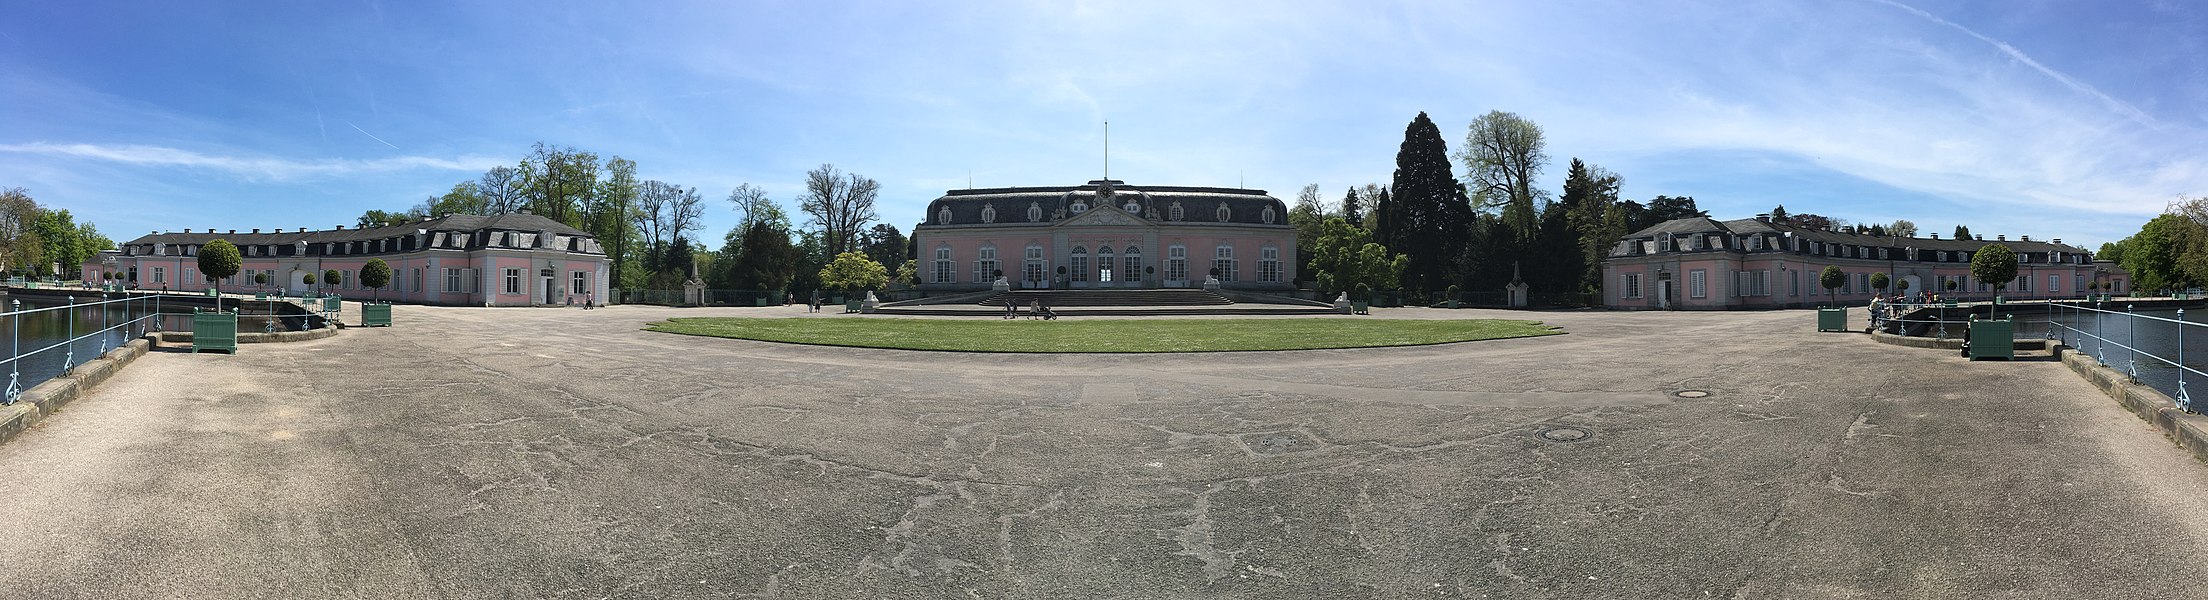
column 375, row 275
column 1994, row 264
column 841, row 205
column 854, row 271
column 1503, row 154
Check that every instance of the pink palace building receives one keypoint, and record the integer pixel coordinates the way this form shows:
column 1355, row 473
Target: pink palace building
column 1106, row 235
column 1700, row 264
column 515, row 259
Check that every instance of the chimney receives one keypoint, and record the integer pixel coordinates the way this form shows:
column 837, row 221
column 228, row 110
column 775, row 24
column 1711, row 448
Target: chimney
column 279, row 230
column 341, row 228
column 2000, row 237
column 1980, row 237
column 234, row 231
column 1765, row 217
column 2058, row 241
column 187, row 230
column 2024, row 238
column 255, row 230
column 1935, row 236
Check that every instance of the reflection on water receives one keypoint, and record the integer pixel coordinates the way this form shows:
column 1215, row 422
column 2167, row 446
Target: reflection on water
column 40, row 337
column 2143, row 342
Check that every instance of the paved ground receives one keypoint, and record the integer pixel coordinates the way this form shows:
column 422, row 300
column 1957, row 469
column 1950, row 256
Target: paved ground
column 476, row 453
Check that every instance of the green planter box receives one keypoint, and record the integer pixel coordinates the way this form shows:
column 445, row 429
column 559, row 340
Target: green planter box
column 214, row 293
column 1832, row 319
column 215, row 331
column 851, row 306
column 1361, row 308
column 333, row 304
column 1993, row 339
column 375, row 315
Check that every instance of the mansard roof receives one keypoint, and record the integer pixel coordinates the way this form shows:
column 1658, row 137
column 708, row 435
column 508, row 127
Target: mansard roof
column 523, row 222
column 1704, row 225
column 1009, row 206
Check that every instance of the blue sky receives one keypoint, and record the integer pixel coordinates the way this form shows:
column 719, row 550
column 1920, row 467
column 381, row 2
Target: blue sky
column 2070, row 119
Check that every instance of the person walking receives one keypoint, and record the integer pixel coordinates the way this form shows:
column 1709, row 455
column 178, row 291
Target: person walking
column 1011, row 309
column 590, row 300
column 813, row 304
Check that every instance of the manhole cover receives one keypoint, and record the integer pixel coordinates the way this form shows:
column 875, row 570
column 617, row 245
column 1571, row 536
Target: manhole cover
column 1691, row 394
column 1564, row 434
column 1281, row 442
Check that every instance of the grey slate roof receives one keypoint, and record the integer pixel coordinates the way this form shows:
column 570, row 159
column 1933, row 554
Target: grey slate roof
column 1054, row 204
column 1748, row 227
column 506, row 222
column 456, row 232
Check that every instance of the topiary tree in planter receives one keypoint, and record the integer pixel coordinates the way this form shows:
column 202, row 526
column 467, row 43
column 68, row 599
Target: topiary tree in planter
column 219, row 259
column 1879, row 281
column 1995, row 265
column 1831, row 279
column 1363, row 294
column 332, row 278
column 375, row 275
column 260, row 278
column 308, row 279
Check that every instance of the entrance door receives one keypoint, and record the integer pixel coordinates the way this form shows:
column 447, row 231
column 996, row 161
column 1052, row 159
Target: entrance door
column 298, row 281
column 1663, row 295
column 550, row 291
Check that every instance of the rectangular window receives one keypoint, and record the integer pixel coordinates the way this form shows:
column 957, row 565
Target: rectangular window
column 1763, row 282
column 1268, row 265
column 1078, row 267
column 1698, row 283
column 513, row 281
column 943, row 271
column 1632, row 285
column 474, row 278
column 1176, row 263
column 188, row 275
column 417, row 280
column 452, row 281
column 1134, row 268
column 575, row 282
column 160, row 275
column 2024, row 284
column 1793, row 283
column 2078, row 284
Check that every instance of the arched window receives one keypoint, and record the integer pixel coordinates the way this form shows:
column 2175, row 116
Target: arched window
column 1077, row 264
column 944, row 270
column 1174, row 213
column 1176, row 263
column 943, row 215
column 1133, row 258
column 1222, row 260
column 1223, row 213
column 985, row 264
column 1034, row 212
column 1268, row 264
column 1104, row 264
column 988, row 213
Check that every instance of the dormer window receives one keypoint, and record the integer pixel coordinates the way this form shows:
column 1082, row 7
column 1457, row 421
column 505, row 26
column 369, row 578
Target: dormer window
column 1034, row 212
column 1268, row 215
column 1174, row 213
column 943, row 215
column 989, row 213
column 1079, row 206
column 1224, row 214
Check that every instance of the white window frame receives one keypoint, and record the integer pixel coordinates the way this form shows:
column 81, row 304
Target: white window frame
column 513, row 282
column 1698, row 283
column 1632, row 285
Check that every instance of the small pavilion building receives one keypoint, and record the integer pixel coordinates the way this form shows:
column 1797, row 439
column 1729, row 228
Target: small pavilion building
column 1106, row 235
column 516, row 259
column 1702, row 264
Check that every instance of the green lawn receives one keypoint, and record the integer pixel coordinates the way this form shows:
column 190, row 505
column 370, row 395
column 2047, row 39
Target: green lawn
column 1104, row 335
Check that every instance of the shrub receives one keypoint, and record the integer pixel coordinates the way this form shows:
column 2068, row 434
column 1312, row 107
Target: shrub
column 219, row 259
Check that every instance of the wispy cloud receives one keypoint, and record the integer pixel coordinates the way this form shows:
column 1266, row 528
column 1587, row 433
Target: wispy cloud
column 249, row 167
column 2121, row 107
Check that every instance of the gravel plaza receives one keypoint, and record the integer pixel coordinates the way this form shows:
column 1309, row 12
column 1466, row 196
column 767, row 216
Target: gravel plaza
column 559, row 453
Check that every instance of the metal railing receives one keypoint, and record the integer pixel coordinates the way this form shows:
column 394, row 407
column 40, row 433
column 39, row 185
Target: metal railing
column 1944, row 320
column 146, row 307
column 2076, row 318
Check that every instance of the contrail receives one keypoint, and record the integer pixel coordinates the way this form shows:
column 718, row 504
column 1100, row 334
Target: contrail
column 370, row 135
column 2118, row 105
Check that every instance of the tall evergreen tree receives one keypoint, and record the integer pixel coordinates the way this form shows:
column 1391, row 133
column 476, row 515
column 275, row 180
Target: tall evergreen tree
column 1430, row 211
column 1962, row 233
column 1352, row 211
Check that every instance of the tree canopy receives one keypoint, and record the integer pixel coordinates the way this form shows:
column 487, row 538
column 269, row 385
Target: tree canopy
column 219, row 259
column 1994, row 264
column 854, row 271
column 1428, row 213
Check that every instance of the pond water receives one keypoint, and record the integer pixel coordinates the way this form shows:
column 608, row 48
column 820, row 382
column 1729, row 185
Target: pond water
column 38, row 335
column 2138, row 339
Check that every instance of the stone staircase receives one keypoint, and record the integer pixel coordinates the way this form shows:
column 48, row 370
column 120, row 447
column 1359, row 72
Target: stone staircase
column 1057, row 299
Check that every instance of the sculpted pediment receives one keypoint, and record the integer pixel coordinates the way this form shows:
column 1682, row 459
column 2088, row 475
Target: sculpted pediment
column 1105, row 216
